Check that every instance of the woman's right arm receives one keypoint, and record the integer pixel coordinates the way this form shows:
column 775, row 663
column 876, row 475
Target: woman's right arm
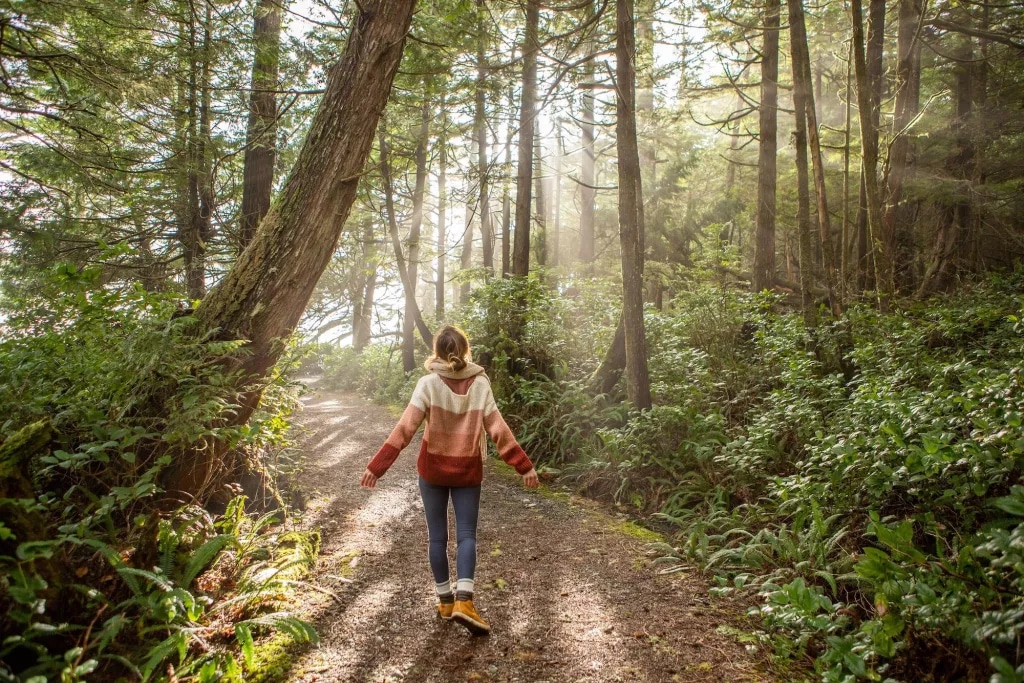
column 401, row 435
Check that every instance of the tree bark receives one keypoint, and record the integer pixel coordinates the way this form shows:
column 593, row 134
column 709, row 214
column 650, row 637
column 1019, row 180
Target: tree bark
column 588, row 251
column 363, row 294
column 802, row 75
column 631, row 210
column 803, row 211
column 907, row 86
column 556, row 201
column 866, row 239
column 406, row 270
column 610, row 370
column 506, row 200
column 869, row 156
column 480, row 130
column 263, row 296
column 764, row 238
column 527, row 115
column 442, row 213
column 645, row 90
column 540, row 224
column 412, row 309
column 466, row 260
column 953, row 232
column 261, row 133
column 199, row 202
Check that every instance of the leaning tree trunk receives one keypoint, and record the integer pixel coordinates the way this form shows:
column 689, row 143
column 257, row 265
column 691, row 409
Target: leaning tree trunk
column 764, row 224
column 263, row 296
column 527, row 115
column 631, row 210
column 261, row 134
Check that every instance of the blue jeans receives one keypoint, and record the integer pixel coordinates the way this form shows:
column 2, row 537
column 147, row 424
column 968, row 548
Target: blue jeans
column 466, row 501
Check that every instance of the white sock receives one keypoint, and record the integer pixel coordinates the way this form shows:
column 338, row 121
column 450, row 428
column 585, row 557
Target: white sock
column 444, row 588
column 464, row 585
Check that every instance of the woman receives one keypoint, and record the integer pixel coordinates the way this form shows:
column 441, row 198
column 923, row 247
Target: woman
column 456, row 401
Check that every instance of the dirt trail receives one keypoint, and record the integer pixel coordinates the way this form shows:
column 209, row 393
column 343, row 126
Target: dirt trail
column 569, row 595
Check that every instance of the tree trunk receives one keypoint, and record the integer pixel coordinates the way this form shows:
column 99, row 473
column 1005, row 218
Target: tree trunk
column 263, row 296
column 363, row 294
column 764, row 238
column 556, row 202
column 803, row 211
column 898, row 213
column 802, row 75
column 527, row 115
column 480, row 130
column 645, row 90
column 442, row 213
column 540, row 224
column 953, row 232
column 867, row 237
column 261, row 133
column 869, row 156
column 506, row 200
column 588, row 194
column 844, row 239
column 610, row 370
column 406, row 270
column 466, row 261
column 631, row 210
column 412, row 309
column 199, row 202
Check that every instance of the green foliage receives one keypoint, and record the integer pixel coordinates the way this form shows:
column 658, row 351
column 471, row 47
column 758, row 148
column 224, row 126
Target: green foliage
column 864, row 482
column 96, row 578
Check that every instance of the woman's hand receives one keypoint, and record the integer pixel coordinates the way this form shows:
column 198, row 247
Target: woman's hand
column 369, row 479
column 530, row 480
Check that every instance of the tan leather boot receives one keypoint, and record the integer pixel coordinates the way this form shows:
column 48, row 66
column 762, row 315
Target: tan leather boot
column 466, row 614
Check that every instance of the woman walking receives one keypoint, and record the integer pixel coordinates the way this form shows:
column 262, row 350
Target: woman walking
column 456, row 401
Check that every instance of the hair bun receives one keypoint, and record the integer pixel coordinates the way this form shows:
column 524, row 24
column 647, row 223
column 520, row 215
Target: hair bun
column 456, row 363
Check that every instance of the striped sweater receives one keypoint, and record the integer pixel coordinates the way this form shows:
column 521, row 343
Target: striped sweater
column 460, row 412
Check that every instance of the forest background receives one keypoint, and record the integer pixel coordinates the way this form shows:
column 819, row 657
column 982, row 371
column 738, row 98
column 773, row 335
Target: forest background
column 750, row 272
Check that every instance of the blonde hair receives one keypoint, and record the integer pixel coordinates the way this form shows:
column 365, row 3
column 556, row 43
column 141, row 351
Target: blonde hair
column 451, row 347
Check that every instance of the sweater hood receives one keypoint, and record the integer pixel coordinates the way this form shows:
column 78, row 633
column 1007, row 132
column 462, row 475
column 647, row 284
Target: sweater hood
column 440, row 368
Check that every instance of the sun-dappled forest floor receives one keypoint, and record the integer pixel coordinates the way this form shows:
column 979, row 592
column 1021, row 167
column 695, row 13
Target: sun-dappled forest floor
column 565, row 585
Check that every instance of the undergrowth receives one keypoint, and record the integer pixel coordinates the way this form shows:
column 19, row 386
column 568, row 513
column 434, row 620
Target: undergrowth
column 102, row 576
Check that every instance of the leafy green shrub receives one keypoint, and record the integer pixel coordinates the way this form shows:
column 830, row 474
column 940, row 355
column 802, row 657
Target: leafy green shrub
column 97, row 577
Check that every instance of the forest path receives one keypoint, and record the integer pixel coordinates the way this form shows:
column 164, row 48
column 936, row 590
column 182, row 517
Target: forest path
column 569, row 594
